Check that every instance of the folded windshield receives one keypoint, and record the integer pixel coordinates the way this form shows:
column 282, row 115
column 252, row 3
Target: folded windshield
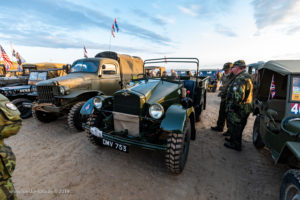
column 85, row 66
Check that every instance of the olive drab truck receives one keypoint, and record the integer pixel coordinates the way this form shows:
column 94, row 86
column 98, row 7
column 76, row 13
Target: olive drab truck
column 106, row 73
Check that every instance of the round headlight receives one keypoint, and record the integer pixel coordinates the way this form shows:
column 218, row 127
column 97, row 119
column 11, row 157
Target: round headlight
column 62, row 90
column 156, row 111
column 97, row 102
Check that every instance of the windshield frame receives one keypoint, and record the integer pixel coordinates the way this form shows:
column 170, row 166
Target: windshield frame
column 96, row 62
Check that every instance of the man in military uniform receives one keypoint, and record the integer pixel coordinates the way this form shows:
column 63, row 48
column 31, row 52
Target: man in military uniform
column 10, row 124
column 238, row 104
column 227, row 78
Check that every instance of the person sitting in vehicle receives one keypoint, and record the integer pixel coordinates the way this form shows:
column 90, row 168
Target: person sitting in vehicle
column 165, row 74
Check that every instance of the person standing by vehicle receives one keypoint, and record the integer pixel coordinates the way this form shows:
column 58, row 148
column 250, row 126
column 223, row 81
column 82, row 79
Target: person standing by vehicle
column 227, row 78
column 238, row 104
column 10, row 124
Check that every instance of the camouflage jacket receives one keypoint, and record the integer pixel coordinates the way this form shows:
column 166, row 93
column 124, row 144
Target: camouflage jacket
column 226, row 80
column 240, row 94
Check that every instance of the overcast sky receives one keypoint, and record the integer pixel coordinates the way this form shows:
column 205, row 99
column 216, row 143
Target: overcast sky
column 215, row 31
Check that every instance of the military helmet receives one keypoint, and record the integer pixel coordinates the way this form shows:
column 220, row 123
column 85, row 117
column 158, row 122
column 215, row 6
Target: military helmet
column 240, row 64
column 227, row 66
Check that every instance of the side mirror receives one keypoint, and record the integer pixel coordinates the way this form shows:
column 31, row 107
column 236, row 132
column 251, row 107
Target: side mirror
column 103, row 67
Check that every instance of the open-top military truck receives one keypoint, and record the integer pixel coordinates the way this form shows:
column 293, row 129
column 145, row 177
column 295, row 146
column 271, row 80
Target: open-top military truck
column 277, row 123
column 17, row 77
column 23, row 95
column 88, row 77
column 156, row 114
column 213, row 82
column 157, row 69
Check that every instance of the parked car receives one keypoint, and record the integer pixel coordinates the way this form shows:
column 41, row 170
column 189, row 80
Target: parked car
column 157, row 114
column 106, row 73
column 277, row 123
column 23, row 95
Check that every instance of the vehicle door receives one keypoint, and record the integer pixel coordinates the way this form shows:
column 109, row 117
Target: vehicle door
column 274, row 113
column 110, row 78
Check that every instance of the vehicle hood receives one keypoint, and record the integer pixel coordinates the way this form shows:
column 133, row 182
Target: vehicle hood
column 16, row 87
column 155, row 90
column 73, row 80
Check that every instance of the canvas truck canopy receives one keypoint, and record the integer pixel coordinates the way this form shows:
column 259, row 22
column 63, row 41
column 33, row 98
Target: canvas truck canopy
column 283, row 67
column 130, row 67
column 52, row 74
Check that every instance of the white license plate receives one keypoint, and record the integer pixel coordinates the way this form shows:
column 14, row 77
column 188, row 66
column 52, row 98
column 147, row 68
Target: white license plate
column 115, row 145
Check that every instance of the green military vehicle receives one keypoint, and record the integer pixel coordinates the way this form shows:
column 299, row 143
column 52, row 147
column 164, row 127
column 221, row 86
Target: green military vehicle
column 106, row 73
column 156, row 114
column 16, row 77
column 23, row 95
column 277, row 123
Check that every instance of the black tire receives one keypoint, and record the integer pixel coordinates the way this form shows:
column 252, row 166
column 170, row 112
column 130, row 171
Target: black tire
column 256, row 136
column 178, row 148
column 74, row 117
column 25, row 112
column 94, row 121
column 290, row 185
column 198, row 112
column 204, row 104
column 44, row 116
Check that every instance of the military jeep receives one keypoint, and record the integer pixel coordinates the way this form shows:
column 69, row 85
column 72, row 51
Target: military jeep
column 277, row 123
column 213, row 82
column 16, row 77
column 106, row 73
column 23, row 95
column 156, row 114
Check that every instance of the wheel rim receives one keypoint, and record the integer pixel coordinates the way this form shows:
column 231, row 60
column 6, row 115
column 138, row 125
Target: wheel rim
column 292, row 193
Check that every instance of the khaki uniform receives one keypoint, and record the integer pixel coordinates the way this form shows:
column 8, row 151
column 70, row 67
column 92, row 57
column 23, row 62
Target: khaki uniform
column 10, row 124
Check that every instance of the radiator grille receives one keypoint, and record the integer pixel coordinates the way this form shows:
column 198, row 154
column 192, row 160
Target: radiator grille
column 129, row 104
column 46, row 93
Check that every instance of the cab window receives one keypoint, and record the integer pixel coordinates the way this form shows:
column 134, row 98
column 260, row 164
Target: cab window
column 109, row 69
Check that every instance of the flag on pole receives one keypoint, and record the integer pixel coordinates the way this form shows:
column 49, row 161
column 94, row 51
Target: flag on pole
column 116, row 25
column 112, row 32
column 19, row 58
column 272, row 88
column 6, row 59
column 85, row 52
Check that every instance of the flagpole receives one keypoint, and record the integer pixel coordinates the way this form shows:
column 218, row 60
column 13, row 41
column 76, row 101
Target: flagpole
column 109, row 42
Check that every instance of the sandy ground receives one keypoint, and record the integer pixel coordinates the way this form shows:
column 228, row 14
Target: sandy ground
column 54, row 163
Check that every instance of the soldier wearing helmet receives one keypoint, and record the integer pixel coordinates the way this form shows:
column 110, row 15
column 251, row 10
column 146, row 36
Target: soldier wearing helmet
column 238, row 104
column 227, row 78
column 10, row 124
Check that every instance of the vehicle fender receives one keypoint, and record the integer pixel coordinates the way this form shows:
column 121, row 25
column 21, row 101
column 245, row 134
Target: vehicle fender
column 77, row 93
column 175, row 118
column 290, row 148
column 88, row 107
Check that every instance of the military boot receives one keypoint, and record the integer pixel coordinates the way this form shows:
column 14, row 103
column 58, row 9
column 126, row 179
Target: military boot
column 217, row 128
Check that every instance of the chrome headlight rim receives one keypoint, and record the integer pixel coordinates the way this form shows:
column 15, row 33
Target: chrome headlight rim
column 156, row 110
column 62, row 90
column 97, row 102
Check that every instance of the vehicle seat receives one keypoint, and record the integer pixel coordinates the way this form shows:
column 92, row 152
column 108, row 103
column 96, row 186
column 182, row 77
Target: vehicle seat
column 279, row 106
column 190, row 85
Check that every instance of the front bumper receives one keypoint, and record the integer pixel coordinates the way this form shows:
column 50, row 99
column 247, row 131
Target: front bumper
column 47, row 107
column 128, row 140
